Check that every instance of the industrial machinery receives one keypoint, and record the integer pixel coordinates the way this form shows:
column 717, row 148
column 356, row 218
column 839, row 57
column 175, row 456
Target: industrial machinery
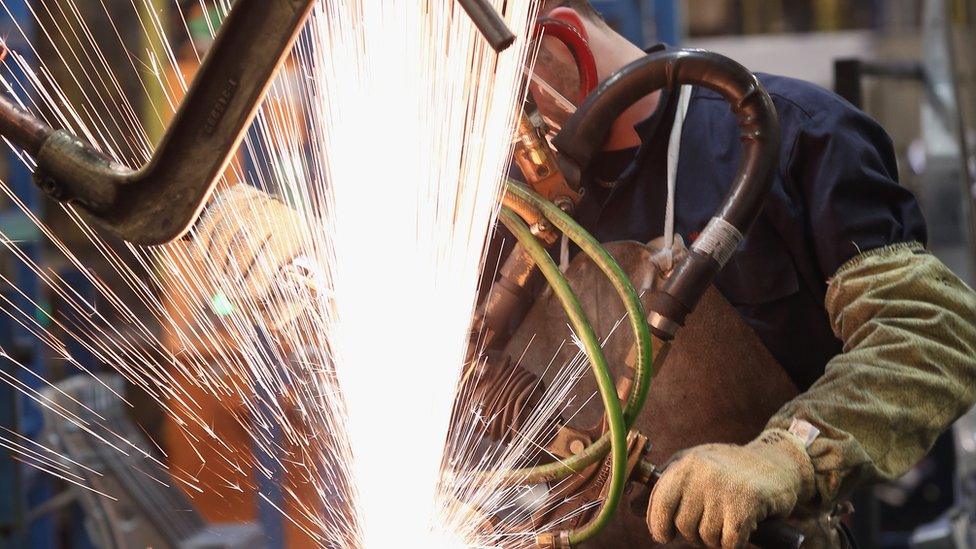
column 122, row 509
column 159, row 202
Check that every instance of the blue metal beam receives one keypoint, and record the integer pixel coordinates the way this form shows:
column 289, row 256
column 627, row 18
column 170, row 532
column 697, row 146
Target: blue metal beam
column 669, row 22
column 645, row 22
column 34, row 487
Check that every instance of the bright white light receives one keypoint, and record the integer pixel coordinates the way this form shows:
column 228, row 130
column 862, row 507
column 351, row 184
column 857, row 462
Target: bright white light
column 417, row 123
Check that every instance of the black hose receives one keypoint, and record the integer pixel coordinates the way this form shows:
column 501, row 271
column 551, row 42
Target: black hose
column 586, row 131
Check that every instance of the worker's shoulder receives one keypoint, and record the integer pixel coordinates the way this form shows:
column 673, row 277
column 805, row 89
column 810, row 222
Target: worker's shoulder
column 795, row 99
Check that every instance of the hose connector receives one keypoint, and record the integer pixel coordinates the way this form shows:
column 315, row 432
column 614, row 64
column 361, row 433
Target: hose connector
column 553, row 540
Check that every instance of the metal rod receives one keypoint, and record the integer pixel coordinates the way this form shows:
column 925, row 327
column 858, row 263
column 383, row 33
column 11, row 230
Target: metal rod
column 490, row 23
column 22, row 128
column 158, row 202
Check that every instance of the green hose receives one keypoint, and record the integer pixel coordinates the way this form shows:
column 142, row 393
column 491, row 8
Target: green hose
column 617, row 434
column 643, row 372
column 621, row 283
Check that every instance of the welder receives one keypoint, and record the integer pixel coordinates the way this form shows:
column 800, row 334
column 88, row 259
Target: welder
column 877, row 335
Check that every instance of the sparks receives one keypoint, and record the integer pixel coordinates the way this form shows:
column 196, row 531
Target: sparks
column 389, row 136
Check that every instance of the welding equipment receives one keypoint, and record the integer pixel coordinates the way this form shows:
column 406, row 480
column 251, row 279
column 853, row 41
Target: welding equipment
column 159, row 202
column 489, row 22
column 498, row 313
column 537, row 211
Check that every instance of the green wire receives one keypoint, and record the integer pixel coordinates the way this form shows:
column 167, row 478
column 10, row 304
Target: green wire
column 617, row 435
column 621, row 283
column 643, row 370
column 643, row 373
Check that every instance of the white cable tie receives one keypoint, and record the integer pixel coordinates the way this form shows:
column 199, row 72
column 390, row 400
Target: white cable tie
column 564, row 253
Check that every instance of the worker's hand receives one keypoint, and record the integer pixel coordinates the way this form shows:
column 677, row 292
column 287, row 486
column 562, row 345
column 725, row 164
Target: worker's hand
column 248, row 238
column 716, row 494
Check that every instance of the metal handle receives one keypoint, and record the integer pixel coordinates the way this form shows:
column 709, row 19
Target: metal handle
column 776, row 533
column 157, row 203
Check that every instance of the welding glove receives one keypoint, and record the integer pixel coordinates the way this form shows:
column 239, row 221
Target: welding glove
column 907, row 371
column 247, row 236
column 716, row 494
column 252, row 243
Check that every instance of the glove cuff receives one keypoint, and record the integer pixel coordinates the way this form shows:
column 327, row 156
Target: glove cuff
column 789, row 453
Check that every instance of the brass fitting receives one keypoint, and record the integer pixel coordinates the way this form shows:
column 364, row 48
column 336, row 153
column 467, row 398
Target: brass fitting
column 553, row 540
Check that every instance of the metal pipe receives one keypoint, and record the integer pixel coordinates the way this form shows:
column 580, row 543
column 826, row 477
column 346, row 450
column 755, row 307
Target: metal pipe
column 587, row 130
column 158, row 202
column 22, row 128
column 489, row 23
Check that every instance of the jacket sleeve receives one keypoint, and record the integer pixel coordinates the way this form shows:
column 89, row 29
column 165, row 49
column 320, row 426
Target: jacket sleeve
column 843, row 168
column 907, row 370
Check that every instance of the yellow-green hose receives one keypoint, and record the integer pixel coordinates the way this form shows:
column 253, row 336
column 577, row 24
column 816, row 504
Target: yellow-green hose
column 643, row 371
column 617, row 434
column 621, row 283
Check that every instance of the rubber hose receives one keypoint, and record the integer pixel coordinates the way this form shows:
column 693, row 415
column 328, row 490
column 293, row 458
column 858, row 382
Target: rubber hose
column 586, row 131
column 601, row 371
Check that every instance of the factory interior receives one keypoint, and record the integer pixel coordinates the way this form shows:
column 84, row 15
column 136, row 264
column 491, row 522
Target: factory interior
column 142, row 405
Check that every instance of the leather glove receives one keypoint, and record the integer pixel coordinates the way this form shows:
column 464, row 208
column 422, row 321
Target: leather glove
column 248, row 237
column 253, row 245
column 716, row 494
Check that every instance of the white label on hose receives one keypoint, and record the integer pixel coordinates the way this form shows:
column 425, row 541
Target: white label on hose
column 719, row 240
column 804, row 431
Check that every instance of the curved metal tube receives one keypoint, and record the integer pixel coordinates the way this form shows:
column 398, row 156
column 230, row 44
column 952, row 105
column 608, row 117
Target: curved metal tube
column 158, row 203
column 587, row 130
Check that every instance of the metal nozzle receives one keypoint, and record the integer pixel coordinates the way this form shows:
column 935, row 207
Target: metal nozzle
column 490, row 23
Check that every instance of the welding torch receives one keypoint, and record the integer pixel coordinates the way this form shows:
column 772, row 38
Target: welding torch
column 539, row 165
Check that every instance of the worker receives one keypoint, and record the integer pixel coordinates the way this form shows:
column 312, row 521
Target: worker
column 877, row 335
column 226, row 472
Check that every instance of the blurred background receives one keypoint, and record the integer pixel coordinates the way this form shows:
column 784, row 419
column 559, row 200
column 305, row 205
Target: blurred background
column 909, row 63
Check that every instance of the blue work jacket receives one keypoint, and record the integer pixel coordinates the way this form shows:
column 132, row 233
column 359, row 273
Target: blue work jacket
column 835, row 194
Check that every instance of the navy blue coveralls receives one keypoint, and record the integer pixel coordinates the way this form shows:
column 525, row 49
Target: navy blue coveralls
column 835, row 194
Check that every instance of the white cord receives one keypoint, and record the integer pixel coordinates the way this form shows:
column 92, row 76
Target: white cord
column 674, row 149
column 564, row 253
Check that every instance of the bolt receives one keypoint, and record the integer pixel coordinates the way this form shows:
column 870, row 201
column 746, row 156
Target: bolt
column 50, row 187
column 576, row 446
column 539, row 228
column 564, row 204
